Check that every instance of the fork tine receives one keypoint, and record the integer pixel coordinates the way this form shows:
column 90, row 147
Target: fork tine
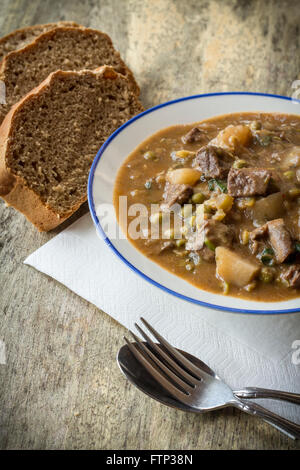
column 180, row 358
column 186, row 387
column 161, row 379
column 189, row 378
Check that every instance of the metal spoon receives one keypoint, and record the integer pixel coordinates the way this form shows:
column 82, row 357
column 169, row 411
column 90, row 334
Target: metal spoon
column 138, row 376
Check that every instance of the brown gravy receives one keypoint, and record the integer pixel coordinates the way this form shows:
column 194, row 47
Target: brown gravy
column 233, row 203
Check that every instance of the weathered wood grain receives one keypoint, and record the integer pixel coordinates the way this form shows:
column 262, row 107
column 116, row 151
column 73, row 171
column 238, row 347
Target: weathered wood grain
column 61, row 387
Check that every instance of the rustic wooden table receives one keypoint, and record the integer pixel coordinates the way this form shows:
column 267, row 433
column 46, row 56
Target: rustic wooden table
column 61, row 387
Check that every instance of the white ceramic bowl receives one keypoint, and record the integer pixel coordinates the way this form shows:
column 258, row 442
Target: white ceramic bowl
column 125, row 139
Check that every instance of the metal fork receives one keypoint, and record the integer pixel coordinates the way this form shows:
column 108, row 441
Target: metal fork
column 198, row 388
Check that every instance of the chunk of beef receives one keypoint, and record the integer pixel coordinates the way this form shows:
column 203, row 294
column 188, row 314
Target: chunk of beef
column 214, row 162
column 194, row 135
column 259, row 232
column 213, row 231
column 176, row 193
column 278, row 236
column 248, row 182
column 218, row 233
column 196, row 241
column 255, row 235
column 280, row 239
column 195, row 245
column 292, row 276
column 207, row 254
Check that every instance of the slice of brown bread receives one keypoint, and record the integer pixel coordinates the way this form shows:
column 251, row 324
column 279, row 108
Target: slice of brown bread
column 63, row 48
column 50, row 138
column 21, row 37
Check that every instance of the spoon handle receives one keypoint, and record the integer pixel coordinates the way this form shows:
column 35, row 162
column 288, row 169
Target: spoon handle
column 290, row 428
column 255, row 392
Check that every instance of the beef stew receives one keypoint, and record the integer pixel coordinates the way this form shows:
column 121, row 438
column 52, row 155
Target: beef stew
column 233, row 182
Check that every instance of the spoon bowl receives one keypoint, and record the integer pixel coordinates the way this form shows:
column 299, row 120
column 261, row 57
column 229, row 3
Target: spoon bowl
column 213, row 394
column 139, row 377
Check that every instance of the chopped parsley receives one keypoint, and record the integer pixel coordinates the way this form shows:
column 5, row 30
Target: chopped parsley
column 267, row 256
column 222, row 185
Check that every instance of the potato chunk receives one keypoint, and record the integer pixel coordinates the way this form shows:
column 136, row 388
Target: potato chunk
column 225, row 202
column 234, row 269
column 183, row 176
column 228, row 137
column 292, row 159
column 268, row 208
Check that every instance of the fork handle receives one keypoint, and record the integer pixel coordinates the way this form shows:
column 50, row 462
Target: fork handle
column 255, row 392
column 292, row 429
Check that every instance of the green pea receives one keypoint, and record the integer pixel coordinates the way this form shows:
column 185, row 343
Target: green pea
column 266, row 275
column 150, row 155
column 289, row 175
column 255, row 125
column 239, row 164
column 209, row 244
column 198, row 198
column 294, row 192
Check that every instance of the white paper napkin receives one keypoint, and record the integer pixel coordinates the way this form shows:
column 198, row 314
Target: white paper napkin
column 245, row 350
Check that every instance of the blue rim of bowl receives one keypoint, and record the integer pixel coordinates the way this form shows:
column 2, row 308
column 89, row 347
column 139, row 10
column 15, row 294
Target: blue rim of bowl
column 110, row 244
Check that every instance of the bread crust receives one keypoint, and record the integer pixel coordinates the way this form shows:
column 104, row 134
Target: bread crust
column 52, row 32
column 12, row 187
column 27, row 30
